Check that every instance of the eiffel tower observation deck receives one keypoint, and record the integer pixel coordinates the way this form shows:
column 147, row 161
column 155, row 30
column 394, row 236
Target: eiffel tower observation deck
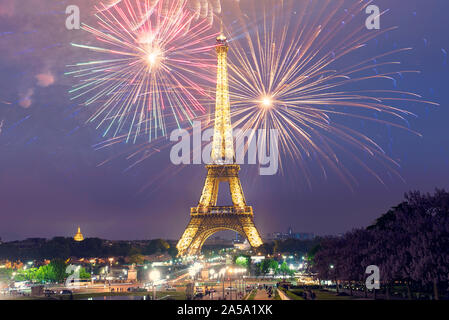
column 208, row 218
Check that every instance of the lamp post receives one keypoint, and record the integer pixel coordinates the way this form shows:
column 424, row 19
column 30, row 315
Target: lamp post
column 211, row 275
column 332, row 267
column 155, row 275
column 230, row 283
column 222, row 272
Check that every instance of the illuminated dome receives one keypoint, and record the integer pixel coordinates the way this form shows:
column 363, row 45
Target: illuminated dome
column 78, row 236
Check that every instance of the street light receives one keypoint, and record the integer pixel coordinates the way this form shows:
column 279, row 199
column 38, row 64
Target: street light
column 192, row 272
column 222, row 273
column 335, row 276
column 155, row 275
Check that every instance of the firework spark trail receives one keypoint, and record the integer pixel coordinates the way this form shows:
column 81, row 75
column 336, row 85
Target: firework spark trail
column 147, row 69
column 282, row 77
column 202, row 9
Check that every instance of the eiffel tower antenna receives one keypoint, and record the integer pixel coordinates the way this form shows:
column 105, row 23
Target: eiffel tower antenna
column 208, row 218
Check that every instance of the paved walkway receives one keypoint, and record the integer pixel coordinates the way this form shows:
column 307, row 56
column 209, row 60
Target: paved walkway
column 262, row 295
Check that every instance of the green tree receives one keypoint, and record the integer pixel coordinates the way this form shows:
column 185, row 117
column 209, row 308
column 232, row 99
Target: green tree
column 273, row 266
column 84, row 274
column 58, row 268
column 45, row 274
column 242, row 261
column 285, row 269
column 25, row 275
column 268, row 265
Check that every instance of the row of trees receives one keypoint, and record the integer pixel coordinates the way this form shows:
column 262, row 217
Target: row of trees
column 409, row 244
column 267, row 266
column 299, row 247
column 63, row 248
column 55, row 272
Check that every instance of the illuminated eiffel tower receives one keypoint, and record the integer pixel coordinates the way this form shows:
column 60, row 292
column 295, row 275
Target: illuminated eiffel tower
column 208, row 218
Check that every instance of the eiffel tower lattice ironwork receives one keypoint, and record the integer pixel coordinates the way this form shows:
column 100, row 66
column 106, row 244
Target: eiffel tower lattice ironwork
column 208, row 218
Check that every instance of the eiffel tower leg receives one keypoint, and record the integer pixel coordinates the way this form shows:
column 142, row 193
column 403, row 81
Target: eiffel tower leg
column 210, row 190
column 250, row 231
column 189, row 234
column 197, row 243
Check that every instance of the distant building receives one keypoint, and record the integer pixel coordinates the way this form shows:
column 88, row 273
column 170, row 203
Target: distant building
column 78, row 236
column 291, row 235
column 242, row 246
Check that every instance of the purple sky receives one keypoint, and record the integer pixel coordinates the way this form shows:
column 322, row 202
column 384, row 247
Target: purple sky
column 50, row 181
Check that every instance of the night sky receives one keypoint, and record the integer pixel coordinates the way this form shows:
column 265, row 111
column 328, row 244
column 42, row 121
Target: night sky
column 51, row 180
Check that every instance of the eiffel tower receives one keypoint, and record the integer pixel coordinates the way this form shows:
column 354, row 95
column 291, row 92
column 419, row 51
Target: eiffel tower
column 208, row 218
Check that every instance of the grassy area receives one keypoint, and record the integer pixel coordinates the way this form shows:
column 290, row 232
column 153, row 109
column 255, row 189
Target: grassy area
column 291, row 294
column 276, row 295
column 324, row 295
column 296, row 294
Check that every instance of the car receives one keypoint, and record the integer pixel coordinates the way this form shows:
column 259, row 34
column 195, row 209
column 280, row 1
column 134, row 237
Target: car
column 49, row 292
column 170, row 288
column 199, row 290
column 64, row 292
column 231, row 289
column 212, row 290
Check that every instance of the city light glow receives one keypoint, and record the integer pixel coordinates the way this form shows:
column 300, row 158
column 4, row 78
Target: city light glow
column 155, row 275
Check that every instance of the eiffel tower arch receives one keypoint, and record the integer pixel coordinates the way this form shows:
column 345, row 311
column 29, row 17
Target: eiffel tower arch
column 208, row 218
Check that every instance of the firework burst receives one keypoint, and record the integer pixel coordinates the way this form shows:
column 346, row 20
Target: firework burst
column 289, row 73
column 148, row 68
column 202, row 9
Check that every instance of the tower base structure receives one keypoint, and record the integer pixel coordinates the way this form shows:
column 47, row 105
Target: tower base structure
column 207, row 218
